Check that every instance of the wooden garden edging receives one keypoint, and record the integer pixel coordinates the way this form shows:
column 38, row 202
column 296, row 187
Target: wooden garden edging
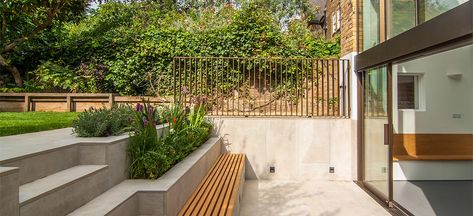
column 68, row 102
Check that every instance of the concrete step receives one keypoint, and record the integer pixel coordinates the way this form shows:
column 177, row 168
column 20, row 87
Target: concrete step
column 119, row 200
column 64, row 191
column 37, row 165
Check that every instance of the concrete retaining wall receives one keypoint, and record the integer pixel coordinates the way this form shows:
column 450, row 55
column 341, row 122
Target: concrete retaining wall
column 297, row 147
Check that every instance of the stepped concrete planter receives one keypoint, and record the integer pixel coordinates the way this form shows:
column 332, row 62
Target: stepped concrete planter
column 164, row 196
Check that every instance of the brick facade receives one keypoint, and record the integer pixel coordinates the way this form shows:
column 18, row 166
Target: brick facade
column 348, row 23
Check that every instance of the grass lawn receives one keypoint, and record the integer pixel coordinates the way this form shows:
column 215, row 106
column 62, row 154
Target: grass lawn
column 12, row 123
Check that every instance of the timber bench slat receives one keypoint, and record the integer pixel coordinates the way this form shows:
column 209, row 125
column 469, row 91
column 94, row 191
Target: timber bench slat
column 218, row 191
column 204, row 190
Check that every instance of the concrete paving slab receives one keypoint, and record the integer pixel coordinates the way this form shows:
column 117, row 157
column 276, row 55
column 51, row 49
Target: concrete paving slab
column 306, row 197
column 17, row 146
column 25, row 145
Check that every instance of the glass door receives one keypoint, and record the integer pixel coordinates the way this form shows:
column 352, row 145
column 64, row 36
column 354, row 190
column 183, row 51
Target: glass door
column 376, row 128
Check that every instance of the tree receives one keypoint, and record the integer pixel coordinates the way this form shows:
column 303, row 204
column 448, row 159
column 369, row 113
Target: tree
column 22, row 20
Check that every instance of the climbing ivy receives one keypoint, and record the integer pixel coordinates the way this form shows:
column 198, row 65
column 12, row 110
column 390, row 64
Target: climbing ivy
column 129, row 48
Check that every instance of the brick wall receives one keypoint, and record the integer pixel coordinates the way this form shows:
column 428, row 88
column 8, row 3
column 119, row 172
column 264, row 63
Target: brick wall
column 348, row 29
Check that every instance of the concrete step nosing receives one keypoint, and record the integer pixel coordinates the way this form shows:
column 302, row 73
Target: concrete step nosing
column 59, row 187
column 121, row 203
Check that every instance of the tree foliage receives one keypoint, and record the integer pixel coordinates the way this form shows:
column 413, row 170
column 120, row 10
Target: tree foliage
column 22, row 20
column 129, row 48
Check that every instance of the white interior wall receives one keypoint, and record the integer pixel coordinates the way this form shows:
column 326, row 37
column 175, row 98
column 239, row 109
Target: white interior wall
column 440, row 97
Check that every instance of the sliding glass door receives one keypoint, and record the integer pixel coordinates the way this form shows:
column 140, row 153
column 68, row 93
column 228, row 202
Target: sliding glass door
column 376, row 132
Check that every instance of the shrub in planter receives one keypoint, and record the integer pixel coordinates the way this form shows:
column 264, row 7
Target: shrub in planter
column 102, row 122
column 148, row 159
column 151, row 156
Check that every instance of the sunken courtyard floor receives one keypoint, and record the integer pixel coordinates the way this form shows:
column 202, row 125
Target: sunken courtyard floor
column 307, row 197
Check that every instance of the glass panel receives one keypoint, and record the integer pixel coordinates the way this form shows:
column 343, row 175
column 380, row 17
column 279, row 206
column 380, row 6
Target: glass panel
column 429, row 9
column 375, row 117
column 401, row 15
column 433, row 145
column 370, row 24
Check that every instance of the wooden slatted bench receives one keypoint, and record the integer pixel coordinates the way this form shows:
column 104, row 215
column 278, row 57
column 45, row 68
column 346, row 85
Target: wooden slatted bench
column 433, row 147
column 220, row 191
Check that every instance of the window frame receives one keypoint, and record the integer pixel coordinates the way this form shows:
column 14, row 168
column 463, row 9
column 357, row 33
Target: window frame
column 419, row 103
column 336, row 21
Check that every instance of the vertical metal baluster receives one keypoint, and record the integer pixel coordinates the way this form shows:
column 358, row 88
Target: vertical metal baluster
column 306, row 88
column 265, row 84
column 243, row 78
column 280, row 83
column 333, row 87
column 228, row 86
column 328, row 88
column 233, row 84
column 185, row 82
column 196, row 93
column 285, row 92
column 343, row 89
column 201, row 93
column 317, row 84
column 174, row 79
column 222, row 102
column 348, row 89
column 238, row 89
column 323, row 87
column 254, row 84
column 190, row 86
column 297, row 87
column 180, row 81
column 211, row 86
column 302, row 85
column 270, row 97
column 291, row 83
column 259, row 86
column 312, row 77
column 206, row 60
column 338, row 87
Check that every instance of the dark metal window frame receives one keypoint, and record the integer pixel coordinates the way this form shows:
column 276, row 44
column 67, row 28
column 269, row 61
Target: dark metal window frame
column 442, row 32
column 449, row 30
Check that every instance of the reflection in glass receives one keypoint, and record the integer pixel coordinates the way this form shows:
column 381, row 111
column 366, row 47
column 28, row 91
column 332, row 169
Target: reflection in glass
column 401, row 16
column 375, row 117
column 407, row 93
column 371, row 36
column 429, row 9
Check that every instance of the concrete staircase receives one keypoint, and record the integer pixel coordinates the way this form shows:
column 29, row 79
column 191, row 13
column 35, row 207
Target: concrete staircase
column 60, row 176
column 64, row 191
column 55, row 173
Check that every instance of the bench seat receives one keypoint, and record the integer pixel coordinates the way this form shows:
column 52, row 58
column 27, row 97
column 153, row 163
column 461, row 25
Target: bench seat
column 433, row 157
column 220, row 191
